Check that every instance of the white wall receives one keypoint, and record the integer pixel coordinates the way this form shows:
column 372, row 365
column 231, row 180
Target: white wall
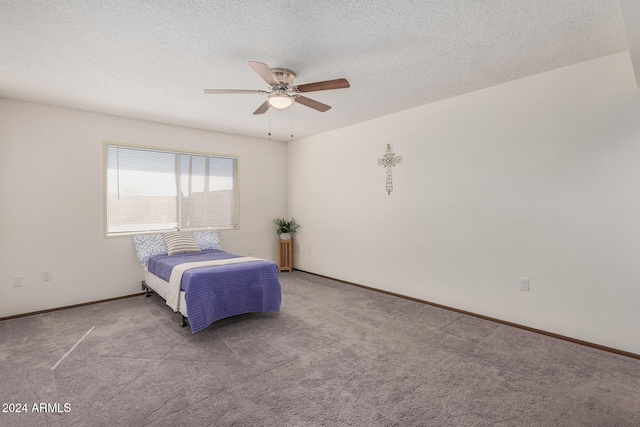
column 536, row 178
column 52, row 210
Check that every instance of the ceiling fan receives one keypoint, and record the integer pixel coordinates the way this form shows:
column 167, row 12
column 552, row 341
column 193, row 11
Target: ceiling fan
column 282, row 92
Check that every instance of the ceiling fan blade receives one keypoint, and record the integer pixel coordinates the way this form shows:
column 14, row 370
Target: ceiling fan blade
column 325, row 85
column 312, row 103
column 262, row 108
column 233, row 91
column 265, row 72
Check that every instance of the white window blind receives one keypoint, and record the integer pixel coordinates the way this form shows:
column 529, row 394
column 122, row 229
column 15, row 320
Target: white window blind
column 150, row 190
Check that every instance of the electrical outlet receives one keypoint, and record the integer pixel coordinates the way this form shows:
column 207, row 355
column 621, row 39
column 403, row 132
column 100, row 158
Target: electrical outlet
column 250, row 251
column 47, row 275
column 524, row 284
column 16, row 281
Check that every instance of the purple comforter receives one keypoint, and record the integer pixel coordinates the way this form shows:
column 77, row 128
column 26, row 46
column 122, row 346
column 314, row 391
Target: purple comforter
column 216, row 292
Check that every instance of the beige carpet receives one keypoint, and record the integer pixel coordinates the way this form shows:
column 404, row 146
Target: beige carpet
column 336, row 355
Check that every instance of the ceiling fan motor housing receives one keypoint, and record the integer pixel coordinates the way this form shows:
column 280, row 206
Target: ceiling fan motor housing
column 284, row 76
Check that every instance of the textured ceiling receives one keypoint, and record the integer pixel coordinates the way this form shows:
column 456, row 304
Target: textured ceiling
column 152, row 59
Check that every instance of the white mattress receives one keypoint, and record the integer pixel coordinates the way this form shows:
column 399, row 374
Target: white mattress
column 161, row 287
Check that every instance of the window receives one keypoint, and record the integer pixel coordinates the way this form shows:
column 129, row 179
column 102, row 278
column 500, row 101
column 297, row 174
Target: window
column 152, row 190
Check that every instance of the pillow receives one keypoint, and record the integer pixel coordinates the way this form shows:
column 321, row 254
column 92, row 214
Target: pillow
column 207, row 239
column 148, row 245
column 179, row 242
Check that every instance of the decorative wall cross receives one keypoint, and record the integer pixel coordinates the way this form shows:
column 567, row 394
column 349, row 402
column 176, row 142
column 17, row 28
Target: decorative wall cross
column 389, row 160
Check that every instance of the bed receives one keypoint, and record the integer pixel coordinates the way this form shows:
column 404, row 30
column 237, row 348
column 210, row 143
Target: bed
column 204, row 283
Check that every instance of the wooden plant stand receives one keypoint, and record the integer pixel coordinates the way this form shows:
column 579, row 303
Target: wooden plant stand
column 285, row 255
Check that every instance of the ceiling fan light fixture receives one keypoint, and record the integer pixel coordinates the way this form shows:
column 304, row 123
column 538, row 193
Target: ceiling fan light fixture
column 280, row 102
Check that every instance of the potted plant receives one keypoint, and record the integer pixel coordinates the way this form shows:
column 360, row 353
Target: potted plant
column 285, row 227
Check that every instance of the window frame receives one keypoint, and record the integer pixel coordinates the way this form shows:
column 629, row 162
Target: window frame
column 105, row 195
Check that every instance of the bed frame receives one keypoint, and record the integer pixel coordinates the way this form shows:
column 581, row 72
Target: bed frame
column 147, row 293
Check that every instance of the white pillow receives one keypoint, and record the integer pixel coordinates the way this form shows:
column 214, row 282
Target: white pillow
column 180, row 242
column 209, row 239
column 148, row 245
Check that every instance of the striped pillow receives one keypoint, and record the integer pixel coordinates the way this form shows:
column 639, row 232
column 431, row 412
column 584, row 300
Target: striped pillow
column 180, row 242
